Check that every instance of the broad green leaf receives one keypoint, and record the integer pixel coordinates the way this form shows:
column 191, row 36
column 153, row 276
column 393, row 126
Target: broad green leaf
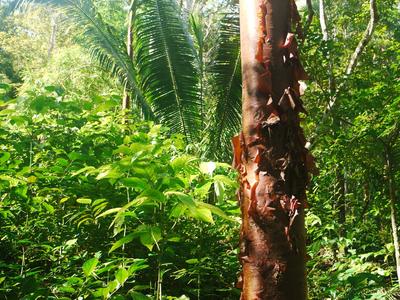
column 70, row 243
column 204, row 190
column 66, row 289
column 182, row 162
column 149, row 235
column 215, row 210
column 178, row 210
column 48, row 207
column 62, row 162
column 108, row 172
column 183, row 198
column 203, row 214
column 5, row 156
column 31, row 179
column 192, row 261
column 74, row 156
column 112, row 286
column 89, row 266
column 134, row 182
column 121, row 276
column 84, row 200
column 65, row 199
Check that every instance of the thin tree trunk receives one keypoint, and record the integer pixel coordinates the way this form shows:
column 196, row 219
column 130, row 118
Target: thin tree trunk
column 126, row 100
column 392, row 196
column 270, row 154
column 53, row 35
column 341, row 201
column 322, row 20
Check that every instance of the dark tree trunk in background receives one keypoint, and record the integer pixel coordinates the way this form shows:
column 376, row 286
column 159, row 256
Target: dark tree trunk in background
column 270, row 154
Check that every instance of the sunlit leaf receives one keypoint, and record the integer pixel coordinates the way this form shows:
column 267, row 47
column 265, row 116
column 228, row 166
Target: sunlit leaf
column 89, row 266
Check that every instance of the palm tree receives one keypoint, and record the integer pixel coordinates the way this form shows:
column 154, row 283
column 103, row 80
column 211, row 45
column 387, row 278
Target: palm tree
column 177, row 73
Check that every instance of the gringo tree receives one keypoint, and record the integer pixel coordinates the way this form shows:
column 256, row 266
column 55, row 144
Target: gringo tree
column 270, row 153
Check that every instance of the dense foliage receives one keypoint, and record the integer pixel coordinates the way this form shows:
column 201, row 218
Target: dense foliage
column 95, row 206
column 99, row 203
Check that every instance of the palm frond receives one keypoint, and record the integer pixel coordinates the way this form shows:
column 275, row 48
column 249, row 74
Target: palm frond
column 165, row 60
column 227, row 89
column 197, row 30
column 107, row 48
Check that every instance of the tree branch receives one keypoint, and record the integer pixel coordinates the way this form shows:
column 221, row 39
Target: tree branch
column 365, row 39
column 309, row 17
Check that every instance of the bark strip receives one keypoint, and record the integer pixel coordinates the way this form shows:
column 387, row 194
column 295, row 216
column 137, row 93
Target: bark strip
column 270, row 153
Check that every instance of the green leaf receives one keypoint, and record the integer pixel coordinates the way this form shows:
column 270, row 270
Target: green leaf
column 70, row 243
column 87, row 169
column 166, row 61
column 6, row 156
column 74, row 156
column 126, row 239
column 121, row 276
column 109, row 212
column 89, row 266
column 65, row 199
column 215, row 210
column 183, row 198
column 203, row 190
column 84, row 200
column 203, row 214
column 178, row 210
column 108, row 172
column 106, row 47
column 226, row 88
column 192, row 261
column 134, row 182
column 149, row 235
column 138, row 264
column 153, row 195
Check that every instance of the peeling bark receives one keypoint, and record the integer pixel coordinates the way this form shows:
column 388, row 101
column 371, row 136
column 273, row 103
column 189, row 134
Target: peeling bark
column 270, row 153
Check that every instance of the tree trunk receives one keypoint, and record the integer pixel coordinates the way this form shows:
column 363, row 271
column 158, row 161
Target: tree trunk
column 270, row 154
column 126, row 99
column 53, row 35
column 392, row 196
column 341, row 200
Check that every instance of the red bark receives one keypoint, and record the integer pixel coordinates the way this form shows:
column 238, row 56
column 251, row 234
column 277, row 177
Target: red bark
column 270, row 154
